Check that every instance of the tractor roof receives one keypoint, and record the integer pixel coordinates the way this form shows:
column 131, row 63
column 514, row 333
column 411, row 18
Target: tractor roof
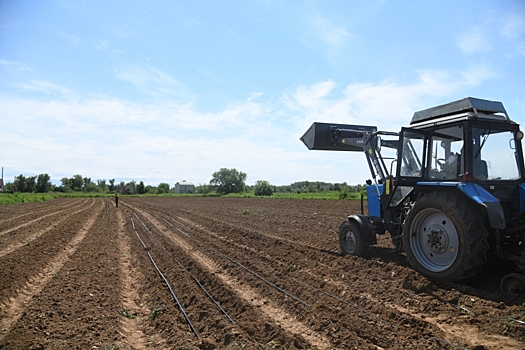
column 468, row 104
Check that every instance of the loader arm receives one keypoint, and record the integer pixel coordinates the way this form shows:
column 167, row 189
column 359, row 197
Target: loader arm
column 371, row 144
column 355, row 138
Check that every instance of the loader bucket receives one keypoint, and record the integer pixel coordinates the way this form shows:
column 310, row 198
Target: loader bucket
column 320, row 136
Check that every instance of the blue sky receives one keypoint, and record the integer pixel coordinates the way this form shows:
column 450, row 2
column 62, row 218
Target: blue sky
column 165, row 91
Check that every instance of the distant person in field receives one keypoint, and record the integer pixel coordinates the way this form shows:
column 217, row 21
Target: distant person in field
column 116, row 200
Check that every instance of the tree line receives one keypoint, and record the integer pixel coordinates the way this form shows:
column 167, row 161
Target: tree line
column 223, row 181
column 227, row 181
column 77, row 183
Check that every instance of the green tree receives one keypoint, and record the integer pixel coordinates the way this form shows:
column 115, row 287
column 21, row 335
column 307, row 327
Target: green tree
column 76, row 182
column 229, row 181
column 203, row 189
column 42, row 183
column 141, row 188
column 111, row 185
column 101, row 184
column 129, row 188
column 9, row 188
column 163, row 188
column 85, row 183
column 91, row 187
column 121, row 187
column 31, row 184
column 20, row 183
column 64, row 187
column 263, row 188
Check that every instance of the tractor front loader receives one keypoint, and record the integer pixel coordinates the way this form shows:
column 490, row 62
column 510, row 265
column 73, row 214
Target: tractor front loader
column 453, row 195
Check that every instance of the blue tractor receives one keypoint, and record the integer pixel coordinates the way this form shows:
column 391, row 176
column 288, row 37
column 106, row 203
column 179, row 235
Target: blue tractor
column 453, row 194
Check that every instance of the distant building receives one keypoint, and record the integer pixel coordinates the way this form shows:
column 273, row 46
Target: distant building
column 184, row 187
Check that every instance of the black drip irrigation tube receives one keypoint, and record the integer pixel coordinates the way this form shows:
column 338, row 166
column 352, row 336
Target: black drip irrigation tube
column 146, row 227
column 180, row 223
column 182, row 232
column 169, row 287
column 169, row 223
column 175, row 297
column 204, row 289
column 373, row 315
column 268, row 282
column 347, row 303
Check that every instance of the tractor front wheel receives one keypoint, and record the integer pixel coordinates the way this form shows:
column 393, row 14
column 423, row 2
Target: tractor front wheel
column 444, row 237
column 351, row 239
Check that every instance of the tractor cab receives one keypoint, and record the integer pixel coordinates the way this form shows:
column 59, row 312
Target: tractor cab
column 466, row 140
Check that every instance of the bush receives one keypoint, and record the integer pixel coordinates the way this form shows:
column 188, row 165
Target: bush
column 263, row 188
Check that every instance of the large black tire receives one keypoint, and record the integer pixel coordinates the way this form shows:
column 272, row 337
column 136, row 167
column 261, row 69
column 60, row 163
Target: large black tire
column 351, row 239
column 444, row 237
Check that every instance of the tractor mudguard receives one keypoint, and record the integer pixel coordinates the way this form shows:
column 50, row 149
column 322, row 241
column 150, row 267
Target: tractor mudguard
column 366, row 227
column 478, row 195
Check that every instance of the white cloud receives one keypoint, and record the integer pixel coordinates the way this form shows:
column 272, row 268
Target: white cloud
column 311, row 97
column 475, row 40
column 123, row 31
column 385, row 104
column 512, row 30
column 321, row 33
column 47, row 88
column 113, row 138
column 333, row 36
column 101, row 44
column 14, row 65
column 169, row 141
column 73, row 40
column 513, row 26
column 151, row 80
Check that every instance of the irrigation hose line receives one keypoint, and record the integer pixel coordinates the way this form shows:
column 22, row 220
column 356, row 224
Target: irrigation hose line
column 146, row 227
column 169, row 223
column 196, row 280
column 170, row 289
column 346, row 302
column 182, row 232
column 204, row 289
column 175, row 298
column 462, row 308
column 268, row 282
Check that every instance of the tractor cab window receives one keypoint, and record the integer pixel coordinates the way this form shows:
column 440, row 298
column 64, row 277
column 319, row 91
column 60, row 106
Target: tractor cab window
column 412, row 154
column 495, row 156
column 446, row 153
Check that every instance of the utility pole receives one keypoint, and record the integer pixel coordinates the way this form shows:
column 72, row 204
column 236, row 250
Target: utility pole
column 2, row 181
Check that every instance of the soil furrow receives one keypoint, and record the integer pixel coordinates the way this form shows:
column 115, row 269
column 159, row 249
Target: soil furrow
column 26, row 237
column 35, row 213
column 40, row 217
column 384, row 291
column 287, row 321
column 13, row 308
column 130, row 281
column 108, row 295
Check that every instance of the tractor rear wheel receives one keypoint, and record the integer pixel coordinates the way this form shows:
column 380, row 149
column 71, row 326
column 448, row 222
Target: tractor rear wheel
column 444, row 237
column 351, row 239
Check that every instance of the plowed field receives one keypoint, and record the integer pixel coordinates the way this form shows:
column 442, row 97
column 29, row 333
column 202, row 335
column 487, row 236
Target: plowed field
column 226, row 273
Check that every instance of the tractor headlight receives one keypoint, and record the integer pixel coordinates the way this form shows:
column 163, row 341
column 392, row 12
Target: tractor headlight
column 519, row 135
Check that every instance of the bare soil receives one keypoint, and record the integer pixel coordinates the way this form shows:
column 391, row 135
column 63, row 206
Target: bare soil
column 227, row 273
